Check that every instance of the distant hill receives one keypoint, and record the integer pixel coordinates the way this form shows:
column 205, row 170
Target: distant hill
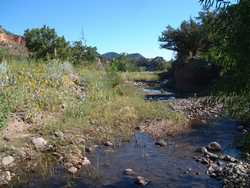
column 110, row 56
column 149, row 64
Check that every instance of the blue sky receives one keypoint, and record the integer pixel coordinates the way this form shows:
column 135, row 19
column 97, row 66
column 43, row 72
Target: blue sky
column 110, row 25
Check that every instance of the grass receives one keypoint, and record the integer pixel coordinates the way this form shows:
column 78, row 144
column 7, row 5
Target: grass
column 138, row 76
column 80, row 101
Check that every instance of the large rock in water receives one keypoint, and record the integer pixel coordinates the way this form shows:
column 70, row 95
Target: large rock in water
column 214, row 146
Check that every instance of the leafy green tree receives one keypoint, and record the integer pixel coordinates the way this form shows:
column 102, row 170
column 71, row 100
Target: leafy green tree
column 217, row 3
column 46, row 44
column 81, row 53
column 188, row 41
column 123, row 64
column 230, row 34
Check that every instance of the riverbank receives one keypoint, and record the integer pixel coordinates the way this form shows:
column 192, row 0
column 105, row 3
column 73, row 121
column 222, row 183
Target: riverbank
column 56, row 113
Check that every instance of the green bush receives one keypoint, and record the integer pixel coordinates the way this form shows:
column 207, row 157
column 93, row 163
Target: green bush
column 82, row 54
column 44, row 43
column 123, row 64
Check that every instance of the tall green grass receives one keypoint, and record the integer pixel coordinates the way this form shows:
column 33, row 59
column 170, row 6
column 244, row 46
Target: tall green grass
column 83, row 100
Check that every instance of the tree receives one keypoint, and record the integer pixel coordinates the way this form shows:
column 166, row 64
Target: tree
column 82, row 53
column 46, row 44
column 188, row 40
column 217, row 3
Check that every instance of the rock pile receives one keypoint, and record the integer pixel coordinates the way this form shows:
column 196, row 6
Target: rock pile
column 198, row 108
column 234, row 173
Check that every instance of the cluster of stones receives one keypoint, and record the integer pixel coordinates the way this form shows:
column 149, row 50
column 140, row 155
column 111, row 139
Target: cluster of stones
column 234, row 173
column 198, row 108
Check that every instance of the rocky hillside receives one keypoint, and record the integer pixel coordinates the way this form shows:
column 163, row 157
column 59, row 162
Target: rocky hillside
column 11, row 44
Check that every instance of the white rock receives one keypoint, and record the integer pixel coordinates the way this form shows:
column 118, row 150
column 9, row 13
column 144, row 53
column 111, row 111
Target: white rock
column 40, row 143
column 5, row 177
column 73, row 170
column 8, row 160
column 141, row 181
column 86, row 161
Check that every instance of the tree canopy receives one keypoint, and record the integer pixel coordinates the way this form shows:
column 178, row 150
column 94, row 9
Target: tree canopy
column 45, row 43
column 188, row 40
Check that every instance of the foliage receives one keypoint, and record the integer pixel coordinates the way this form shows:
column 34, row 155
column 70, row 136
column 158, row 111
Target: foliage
column 46, row 44
column 217, row 3
column 188, row 40
column 81, row 53
column 138, row 76
column 123, row 64
column 79, row 99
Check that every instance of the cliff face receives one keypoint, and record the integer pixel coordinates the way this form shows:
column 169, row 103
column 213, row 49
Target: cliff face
column 13, row 44
column 12, row 39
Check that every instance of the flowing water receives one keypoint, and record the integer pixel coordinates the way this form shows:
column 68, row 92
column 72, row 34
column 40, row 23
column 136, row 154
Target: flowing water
column 170, row 166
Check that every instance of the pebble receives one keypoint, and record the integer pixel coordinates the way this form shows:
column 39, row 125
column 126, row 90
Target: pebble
column 108, row 143
column 73, row 170
column 85, row 161
column 59, row 134
column 129, row 172
column 141, row 181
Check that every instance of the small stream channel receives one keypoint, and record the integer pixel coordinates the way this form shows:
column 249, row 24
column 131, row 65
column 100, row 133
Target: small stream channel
column 163, row 166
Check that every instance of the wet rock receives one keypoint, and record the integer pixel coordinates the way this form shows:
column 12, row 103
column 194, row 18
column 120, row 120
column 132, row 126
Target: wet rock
column 73, row 170
column 5, row 177
column 202, row 150
column 129, row 172
column 85, row 161
column 229, row 158
column 8, row 160
column 161, row 143
column 214, row 146
column 212, row 156
column 108, row 143
column 214, row 170
column 39, row 143
column 141, row 181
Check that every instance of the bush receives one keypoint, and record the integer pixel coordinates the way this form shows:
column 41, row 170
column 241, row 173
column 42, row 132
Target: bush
column 44, row 43
column 123, row 64
column 82, row 54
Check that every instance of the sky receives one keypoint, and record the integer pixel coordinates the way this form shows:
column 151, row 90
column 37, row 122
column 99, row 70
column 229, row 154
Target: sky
column 131, row 26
